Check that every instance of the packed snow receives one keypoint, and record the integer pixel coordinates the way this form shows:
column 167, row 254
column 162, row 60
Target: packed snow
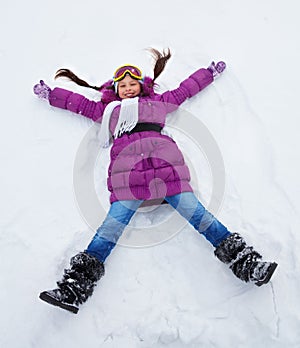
column 163, row 286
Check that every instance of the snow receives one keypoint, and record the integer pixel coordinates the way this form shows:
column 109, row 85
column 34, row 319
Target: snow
column 168, row 292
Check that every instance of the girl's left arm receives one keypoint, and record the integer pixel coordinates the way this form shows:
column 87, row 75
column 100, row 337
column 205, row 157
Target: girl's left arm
column 189, row 87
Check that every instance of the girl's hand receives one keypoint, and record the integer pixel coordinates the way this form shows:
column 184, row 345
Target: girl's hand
column 42, row 90
column 217, row 69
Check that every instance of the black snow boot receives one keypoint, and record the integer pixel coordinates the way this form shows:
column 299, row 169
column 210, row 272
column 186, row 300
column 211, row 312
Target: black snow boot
column 244, row 262
column 77, row 284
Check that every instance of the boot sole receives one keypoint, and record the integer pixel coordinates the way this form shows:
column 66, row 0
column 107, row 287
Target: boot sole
column 51, row 300
column 268, row 276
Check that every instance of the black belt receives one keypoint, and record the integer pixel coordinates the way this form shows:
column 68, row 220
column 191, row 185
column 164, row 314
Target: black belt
column 142, row 127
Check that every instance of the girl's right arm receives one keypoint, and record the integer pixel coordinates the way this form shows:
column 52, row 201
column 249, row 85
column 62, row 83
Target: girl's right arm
column 77, row 103
column 68, row 100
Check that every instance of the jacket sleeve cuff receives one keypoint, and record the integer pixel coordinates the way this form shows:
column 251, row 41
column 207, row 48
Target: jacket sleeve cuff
column 197, row 81
column 58, row 97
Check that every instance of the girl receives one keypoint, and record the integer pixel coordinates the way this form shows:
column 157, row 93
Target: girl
column 134, row 114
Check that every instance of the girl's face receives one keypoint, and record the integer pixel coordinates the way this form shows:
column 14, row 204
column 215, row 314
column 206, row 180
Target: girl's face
column 128, row 87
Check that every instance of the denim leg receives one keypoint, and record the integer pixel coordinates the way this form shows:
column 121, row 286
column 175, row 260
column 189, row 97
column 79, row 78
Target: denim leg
column 188, row 205
column 109, row 232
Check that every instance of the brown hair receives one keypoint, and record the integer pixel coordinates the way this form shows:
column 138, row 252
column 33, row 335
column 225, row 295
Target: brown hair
column 71, row 76
column 160, row 61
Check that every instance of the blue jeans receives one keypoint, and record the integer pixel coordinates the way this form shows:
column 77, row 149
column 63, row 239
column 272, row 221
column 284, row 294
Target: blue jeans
column 121, row 212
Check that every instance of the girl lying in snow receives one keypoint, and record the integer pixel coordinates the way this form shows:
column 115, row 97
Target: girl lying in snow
column 134, row 114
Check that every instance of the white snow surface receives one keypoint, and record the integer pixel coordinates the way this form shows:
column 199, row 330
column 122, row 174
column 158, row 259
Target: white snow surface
column 176, row 293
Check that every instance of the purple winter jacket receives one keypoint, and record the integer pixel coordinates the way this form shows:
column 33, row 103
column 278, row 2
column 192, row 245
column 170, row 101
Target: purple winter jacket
column 144, row 165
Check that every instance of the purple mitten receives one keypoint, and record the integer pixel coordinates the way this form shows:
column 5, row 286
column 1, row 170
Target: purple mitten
column 42, row 90
column 216, row 69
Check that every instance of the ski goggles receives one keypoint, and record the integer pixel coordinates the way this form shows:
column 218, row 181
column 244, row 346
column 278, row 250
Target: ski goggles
column 132, row 70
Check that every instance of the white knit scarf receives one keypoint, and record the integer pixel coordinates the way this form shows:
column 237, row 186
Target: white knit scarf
column 128, row 119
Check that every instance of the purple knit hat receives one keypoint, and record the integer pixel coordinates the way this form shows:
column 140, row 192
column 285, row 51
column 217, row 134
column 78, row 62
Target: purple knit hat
column 109, row 95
